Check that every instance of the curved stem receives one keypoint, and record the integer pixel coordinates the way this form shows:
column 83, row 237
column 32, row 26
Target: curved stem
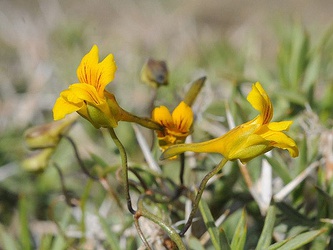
column 141, row 180
column 199, row 194
column 105, row 184
column 69, row 201
column 142, row 211
column 124, row 173
column 137, row 226
column 81, row 164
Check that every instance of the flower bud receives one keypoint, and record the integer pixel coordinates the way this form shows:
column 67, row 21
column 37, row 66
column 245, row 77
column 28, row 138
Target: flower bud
column 47, row 135
column 38, row 160
column 155, row 73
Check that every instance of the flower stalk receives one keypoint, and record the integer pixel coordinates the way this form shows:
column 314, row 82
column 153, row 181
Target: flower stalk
column 142, row 211
column 200, row 192
column 124, row 171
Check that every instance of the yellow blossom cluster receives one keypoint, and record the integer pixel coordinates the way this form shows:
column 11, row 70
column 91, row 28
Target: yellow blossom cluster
column 89, row 98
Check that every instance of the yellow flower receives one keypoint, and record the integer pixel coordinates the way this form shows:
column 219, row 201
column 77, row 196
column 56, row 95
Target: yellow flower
column 89, row 97
column 247, row 140
column 176, row 126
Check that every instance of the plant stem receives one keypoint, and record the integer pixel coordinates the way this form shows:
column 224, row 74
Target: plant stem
column 142, row 211
column 200, row 192
column 123, row 155
column 81, row 163
column 137, row 226
column 182, row 169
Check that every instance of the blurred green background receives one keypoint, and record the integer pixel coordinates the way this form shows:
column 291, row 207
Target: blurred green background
column 286, row 45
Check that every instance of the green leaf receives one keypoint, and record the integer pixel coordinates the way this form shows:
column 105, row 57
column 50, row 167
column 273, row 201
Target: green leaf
column 293, row 217
column 6, row 240
column 24, row 233
column 302, row 161
column 266, row 235
column 46, row 242
column 238, row 241
column 280, row 168
column 210, row 224
column 110, row 236
column 99, row 160
column 224, row 240
column 297, row 241
column 60, row 242
column 194, row 90
column 298, row 57
column 83, row 201
column 325, row 204
column 195, row 244
column 312, row 73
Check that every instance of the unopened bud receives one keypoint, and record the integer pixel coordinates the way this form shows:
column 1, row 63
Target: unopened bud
column 47, row 135
column 155, row 73
column 38, row 160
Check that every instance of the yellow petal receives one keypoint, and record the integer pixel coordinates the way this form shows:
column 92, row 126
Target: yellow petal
column 281, row 140
column 162, row 116
column 86, row 92
column 280, row 126
column 70, row 96
column 96, row 74
column 86, row 72
column 63, row 107
column 182, row 117
column 106, row 72
column 261, row 102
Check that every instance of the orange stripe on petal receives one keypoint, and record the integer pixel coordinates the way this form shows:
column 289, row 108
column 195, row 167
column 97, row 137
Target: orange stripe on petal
column 261, row 102
column 162, row 116
column 182, row 117
column 86, row 92
column 106, row 72
column 86, row 72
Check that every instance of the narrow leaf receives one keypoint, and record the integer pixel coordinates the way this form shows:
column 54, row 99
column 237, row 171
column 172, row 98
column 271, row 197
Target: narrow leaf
column 24, row 234
column 194, row 90
column 210, row 224
column 6, row 240
column 299, row 240
column 238, row 241
column 266, row 235
column 195, row 244
column 60, row 242
column 110, row 236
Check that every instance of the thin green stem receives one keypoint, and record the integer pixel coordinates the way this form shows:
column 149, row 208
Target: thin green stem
column 105, row 184
column 199, row 194
column 141, row 180
column 124, row 173
column 138, row 228
column 72, row 202
column 81, row 163
column 182, row 168
column 142, row 211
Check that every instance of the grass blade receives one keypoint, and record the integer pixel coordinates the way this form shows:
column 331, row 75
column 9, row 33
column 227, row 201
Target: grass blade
column 238, row 241
column 210, row 224
column 266, row 235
